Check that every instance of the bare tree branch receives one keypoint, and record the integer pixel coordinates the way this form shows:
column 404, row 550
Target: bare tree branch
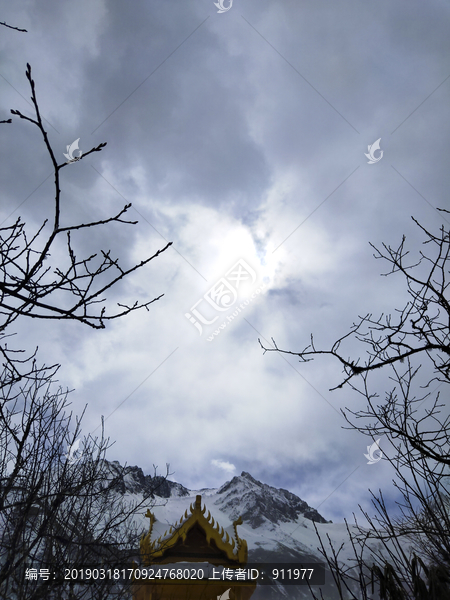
column 407, row 557
column 420, row 328
column 57, row 509
column 11, row 27
column 31, row 287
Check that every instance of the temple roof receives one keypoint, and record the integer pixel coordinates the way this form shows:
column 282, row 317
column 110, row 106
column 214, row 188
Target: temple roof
column 194, row 538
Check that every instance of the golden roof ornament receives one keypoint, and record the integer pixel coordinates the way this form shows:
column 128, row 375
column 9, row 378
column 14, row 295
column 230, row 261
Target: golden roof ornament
column 194, row 538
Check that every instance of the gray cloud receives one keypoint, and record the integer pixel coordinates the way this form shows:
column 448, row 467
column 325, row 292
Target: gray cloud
column 242, row 144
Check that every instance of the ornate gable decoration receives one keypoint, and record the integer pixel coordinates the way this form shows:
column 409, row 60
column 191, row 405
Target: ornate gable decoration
column 195, row 538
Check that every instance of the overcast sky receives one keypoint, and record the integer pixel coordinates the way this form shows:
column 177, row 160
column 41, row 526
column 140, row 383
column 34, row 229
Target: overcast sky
column 240, row 137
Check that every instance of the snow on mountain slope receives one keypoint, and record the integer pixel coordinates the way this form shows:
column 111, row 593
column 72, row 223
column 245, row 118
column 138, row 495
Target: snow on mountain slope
column 270, row 516
column 277, row 525
column 259, row 503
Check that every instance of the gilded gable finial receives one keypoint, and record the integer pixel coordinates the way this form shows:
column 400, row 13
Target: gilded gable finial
column 229, row 546
column 235, row 523
column 152, row 518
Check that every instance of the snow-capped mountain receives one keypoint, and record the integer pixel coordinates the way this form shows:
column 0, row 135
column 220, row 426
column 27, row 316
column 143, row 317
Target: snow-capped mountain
column 258, row 503
column 277, row 525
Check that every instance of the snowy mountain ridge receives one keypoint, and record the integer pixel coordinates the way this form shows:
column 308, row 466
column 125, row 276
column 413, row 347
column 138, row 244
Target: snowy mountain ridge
column 277, row 525
column 258, row 503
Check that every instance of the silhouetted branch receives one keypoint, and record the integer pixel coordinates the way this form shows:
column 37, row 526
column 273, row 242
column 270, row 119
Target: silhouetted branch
column 408, row 557
column 26, row 286
column 16, row 29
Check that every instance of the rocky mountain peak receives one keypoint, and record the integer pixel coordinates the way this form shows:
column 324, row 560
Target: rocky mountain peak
column 259, row 503
column 132, row 480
